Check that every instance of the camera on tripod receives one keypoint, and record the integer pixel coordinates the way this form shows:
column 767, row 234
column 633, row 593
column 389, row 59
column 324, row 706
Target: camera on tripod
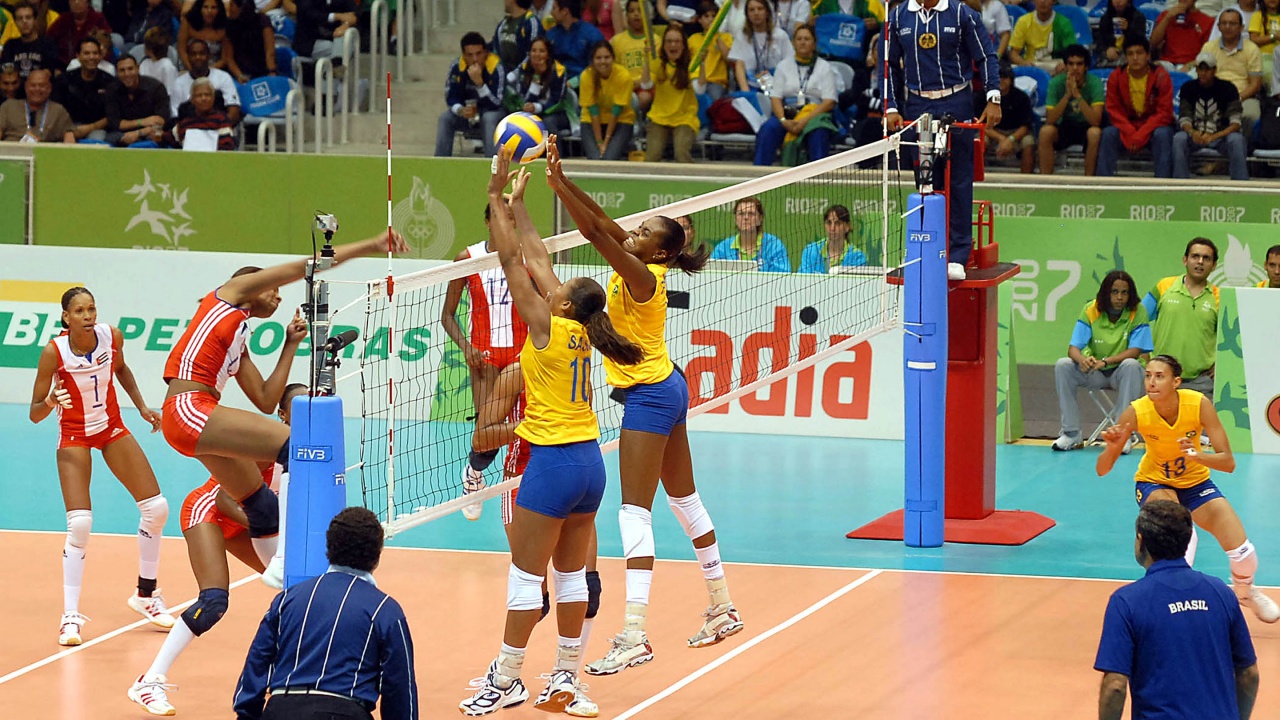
column 326, row 223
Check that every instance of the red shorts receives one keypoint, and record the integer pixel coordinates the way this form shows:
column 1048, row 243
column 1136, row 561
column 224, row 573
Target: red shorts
column 513, row 467
column 114, row 431
column 500, row 357
column 201, row 507
column 183, row 418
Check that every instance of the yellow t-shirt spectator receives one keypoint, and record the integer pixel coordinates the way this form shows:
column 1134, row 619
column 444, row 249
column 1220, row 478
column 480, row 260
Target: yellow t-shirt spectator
column 1271, row 28
column 717, row 72
column 11, row 32
column 628, row 51
column 612, row 96
column 671, row 106
column 1033, row 38
column 1138, row 92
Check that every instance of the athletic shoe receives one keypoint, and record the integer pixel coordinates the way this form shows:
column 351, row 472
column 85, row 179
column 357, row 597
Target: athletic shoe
column 721, row 622
column 629, row 648
column 582, row 706
column 472, row 481
column 1128, row 444
column 489, row 697
column 561, row 690
column 1067, row 442
column 152, row 608
column 150, row 691
column 69, row 628
column 955, row 271
column 273, row 574
column 1261, row 605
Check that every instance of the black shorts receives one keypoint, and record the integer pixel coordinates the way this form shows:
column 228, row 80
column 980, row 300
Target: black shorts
column 1071, row 134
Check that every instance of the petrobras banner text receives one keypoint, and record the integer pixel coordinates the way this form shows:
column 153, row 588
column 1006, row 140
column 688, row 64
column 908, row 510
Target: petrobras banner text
column 735, row 330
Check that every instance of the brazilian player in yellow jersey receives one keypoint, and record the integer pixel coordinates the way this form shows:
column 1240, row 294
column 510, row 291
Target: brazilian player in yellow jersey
column 564, row 480
column 654, row 444
column 1176, row 468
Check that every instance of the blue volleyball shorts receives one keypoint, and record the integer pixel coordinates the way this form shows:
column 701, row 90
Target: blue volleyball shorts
column 563, row 479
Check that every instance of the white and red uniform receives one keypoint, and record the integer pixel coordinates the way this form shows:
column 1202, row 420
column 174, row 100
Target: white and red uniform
column 93, row 420
column 208, row 353
column 201, row 504
column 496, row 327
column 516, row 461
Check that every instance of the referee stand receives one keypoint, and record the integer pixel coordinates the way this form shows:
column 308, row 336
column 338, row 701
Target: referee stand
column 950, row 365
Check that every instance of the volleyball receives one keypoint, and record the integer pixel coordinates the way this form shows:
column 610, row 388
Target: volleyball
column 523, row 134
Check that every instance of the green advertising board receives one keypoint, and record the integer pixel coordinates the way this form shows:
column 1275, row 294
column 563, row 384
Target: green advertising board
column 250, row 202
column 13, row 201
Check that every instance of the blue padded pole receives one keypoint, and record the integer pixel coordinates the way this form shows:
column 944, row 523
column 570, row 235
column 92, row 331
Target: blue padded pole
column 925, row 369
column 317, row 484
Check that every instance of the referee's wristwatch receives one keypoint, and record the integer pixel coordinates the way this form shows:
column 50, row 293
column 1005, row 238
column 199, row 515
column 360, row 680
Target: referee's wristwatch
column 993, row 97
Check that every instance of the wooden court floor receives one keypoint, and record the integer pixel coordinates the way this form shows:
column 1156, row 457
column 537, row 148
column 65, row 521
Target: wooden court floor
column 819, row 642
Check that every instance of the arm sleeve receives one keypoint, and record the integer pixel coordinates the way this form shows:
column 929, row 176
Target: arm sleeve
column 555, row 91
column 1151, row 304
column 1081, row 335
column 809, row 262
column 1002, row 20
column 1018, row 41
column 252, row 690
column 724, row 250
column 399, row 684
column 980, row 47
column 776, row 259
column 896, row 72
column 1117, row 113
column 1185, row 106
column 1115, row 649
column 452, row 88
column 1140, row 338
column 161, row 104
column 113, row 112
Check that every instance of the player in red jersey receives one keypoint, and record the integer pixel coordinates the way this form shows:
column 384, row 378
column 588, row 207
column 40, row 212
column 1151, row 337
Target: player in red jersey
column 497, row 334
column 76, row 376
column 213, row 525
column 230, row 442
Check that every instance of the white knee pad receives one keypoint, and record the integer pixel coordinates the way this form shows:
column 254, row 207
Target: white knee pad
column 636, row 525
column 524, row 590
column 155, row 513
column 79, row 525
column 692, row 515
column 571, row 587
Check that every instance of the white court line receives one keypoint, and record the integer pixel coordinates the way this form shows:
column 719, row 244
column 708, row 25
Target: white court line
column 692, row 677
column 103, row 638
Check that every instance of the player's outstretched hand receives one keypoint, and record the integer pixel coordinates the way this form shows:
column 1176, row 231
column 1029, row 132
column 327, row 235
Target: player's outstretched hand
column 555, row 172
column 151, row 416
column 500, row 172
column 1117, row 434
column 518, row 185
column 297, row 329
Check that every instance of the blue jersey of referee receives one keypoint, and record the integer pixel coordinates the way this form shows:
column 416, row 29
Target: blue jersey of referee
column 335, row 638
column 932, row 53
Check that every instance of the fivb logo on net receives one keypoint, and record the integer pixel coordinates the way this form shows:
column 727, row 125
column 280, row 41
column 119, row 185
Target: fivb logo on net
column 161, row 209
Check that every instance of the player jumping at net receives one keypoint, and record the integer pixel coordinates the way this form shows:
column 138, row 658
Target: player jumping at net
column 497, row 334
column 213, row 526
column 1174, row 467
column 76, row 376
column 230, row 442
column 654, row 444
column 564, row 481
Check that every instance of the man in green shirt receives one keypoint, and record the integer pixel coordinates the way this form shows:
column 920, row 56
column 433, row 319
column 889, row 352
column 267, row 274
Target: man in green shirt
column 1184, row 315
column 1073, row 112
column 1110, row 336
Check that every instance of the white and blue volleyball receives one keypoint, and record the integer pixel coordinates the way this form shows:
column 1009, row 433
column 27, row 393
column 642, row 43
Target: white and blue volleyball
column 523, row 134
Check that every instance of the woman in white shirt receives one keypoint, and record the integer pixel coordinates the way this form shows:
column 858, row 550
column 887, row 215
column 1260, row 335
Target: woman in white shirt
column 760, row 48
column 804, row 94
column 791, row 14
column 995, row 18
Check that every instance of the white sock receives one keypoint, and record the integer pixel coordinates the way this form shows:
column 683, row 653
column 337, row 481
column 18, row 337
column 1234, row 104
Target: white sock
column 72, row 577
column 569, row 654
column 265, row 547
column 1191, row 547
column 1244, row 563
column 177, row 641
column 148, row 555
column 638, row 582
column 709, row 559
column 586, row 635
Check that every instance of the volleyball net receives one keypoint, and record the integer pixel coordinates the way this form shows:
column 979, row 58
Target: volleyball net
column 759, row 314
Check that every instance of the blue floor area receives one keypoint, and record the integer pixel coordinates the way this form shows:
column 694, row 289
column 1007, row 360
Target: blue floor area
column 786, row 500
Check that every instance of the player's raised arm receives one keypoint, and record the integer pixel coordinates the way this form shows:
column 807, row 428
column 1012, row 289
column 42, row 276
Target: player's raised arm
column 536, row 257
column 532, row 307
column 1115, row 437
column 239, row 289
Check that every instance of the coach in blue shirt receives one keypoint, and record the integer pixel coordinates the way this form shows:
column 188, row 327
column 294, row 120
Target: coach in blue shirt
column 933, row 46
column 1177, row 637
column 329, row 646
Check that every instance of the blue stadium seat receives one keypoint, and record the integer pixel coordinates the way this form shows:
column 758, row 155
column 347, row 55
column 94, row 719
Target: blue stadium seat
column 1102, row 74
column 284, row 61
column 285, row 28
column 1015, row 12
column 1179, row 79
column 1152, row 13
column 1041, row 77
column 1080, row 21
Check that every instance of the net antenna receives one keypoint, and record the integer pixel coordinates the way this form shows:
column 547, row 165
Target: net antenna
column 735, row 332
column 391, row 326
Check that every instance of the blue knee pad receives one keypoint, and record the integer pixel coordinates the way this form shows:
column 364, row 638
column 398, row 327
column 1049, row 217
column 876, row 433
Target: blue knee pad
column 207, row 611
column 593, row 593
column 263, row 510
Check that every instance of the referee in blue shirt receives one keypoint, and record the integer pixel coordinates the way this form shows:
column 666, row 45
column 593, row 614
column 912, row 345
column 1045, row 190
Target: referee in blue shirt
column 328, row 647
column 1176, row 637
column 933, row 47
